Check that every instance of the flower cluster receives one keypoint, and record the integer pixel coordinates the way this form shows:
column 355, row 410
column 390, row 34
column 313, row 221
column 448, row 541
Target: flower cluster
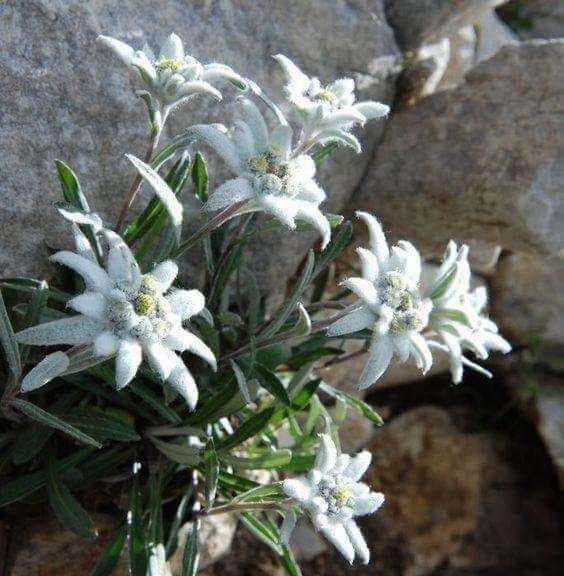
column 405, row 319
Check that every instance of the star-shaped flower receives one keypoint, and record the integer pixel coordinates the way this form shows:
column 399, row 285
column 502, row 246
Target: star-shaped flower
column 457, row 316
column 390, row 304
column 333, row 496
column 270, row 177
column 130, row 315
column 173, row 76
column 327, row 111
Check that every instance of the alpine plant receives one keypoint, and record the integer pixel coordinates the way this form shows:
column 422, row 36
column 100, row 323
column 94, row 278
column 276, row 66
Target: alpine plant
column 129, row 315
column 245, row 404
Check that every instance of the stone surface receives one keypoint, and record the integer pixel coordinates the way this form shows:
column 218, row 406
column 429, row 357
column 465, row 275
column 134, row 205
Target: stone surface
column 535, row 18
column 482, row 161
column 492, row 34
column 65, row 96
column 418, row 22
column 215, row 539
column 527, row 300
column 462, row 57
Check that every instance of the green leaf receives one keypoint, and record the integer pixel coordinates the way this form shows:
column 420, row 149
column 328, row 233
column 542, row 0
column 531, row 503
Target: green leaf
column 444, row 283
column 31, row 285
column 138, row 548
column 72, row 193
column 182, row 454
column 264, row 530
column 178, row 143
column 106, row 462
column 359, row 405
column 235, row 482
column 224, row 273
column 211, row 466
column 111, row 555
column 191, row 558
column 43, row 417
column 454, row 315
column 289, row 562
column 9, row 344
column 241, row 382
column 272, row 383
column 200, row 177
column 34, row 312
column 101, row 425
column 267, row 461
column 290, row 304
column 249, row 428
column 261, row 493
column 23, row 486
column 209, row 411
column 67, row 509
column 323, row 152
column 155, row 402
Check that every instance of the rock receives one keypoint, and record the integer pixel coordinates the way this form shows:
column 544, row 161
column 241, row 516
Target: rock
column 355, row 431
column 418, row 22
column 83, row 109
column 215, row 539
column 482, row 161
column 305, row 542
column 492, row 34
column 527, row 301
column 535, row 18
column 462, row 57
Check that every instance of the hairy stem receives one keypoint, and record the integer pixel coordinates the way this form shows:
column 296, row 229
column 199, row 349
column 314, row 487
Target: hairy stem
column 241, row 507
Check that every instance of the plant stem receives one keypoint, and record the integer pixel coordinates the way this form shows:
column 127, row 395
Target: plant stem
column 210, row 226
column 242, row 507
column 156, row 132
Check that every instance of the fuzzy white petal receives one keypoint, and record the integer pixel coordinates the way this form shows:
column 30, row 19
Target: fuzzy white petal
column 50, row 367
column 230, row 192
column 165, row 273
column 221, row 143
column 284, row 209
column 172, row 48
column 287, row 527
column 336, row 534
column 326, row 456
column 378, row 243
column 160, row 358
column 183, row 341
column 297, row 488
column 281, row 141
column 187, row 89
column 128, row 360
column 91, row 304
column 106, row 344
column 354, row 321
column 182, row 381
column 368, row 504
column 424, row 358
column 358, row 541
column 358, row 465
column 94, row 277
column 75, row 330
column 297, row 80
column 364, row 289
column 369, row 264
column 311, row 213
column 186, row 303
column 122, row 50
column 370, row 109
column 379, row 359
column 252, row 116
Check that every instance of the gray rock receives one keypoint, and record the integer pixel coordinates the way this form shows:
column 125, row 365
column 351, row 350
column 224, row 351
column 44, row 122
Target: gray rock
column 462, row 57
column 492, row 34
column 482, row 161
column 418, row 22
column 527, row 299
column 65, row 96
column 535, row 18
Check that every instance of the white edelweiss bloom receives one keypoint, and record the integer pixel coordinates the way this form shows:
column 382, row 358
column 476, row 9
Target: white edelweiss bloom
column 268, row 175
column 329, row 111
column 173, row 76
column 333, row 496
column 390, row 304
column 129, row 315
column 457, row 316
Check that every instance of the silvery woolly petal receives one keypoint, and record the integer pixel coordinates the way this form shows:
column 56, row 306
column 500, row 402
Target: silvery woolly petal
column 354, row 321
column 311, row 213
column 145, row 67
column 129, row 357
column 220, row 73
column 221, row 143
column 371, row 110
column 91, row 304
column 182, row 381
column 412, row 270
column 106, row 344
column 364, row 289
column 252, row 116
column 342, row 87
column 281, row 141
column 287, row 527
column 402, row 345
column 75, row 330
column 165, row 273
column 172, row 48
column 304, row 165
column 358, row 465
column 82, row 246
column 423, row 356
column 369, row 264
column 185, row 341
column 121, row 265
column 160, row 358
column 297, row 488
column 377, row 243
column 230, row 192
column 94, row 277
column 496, row 342
column 455, row 356
column 385, row 317
column 241, row 134
column 50, row 367
column 379, row 359
column 368, row 504
column 122, row 50
column 162, row 191
column 297, row 80
column 310, row 191
column 284, row 209
column 343, row 119
column 336, row 534
column 358, row 541
column 326, row 456
column 194, row 87
column 341, row 137
column 186, row 303
column 343, row 461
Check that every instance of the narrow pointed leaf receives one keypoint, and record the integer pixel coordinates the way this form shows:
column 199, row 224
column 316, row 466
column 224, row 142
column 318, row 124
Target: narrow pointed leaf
column 9, row 344
column 211, row 464
column 249, row 428
column 110, row 556
column 191, row 558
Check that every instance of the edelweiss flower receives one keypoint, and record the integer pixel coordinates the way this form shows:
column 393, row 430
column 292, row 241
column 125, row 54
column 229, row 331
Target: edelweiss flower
column 173, row 75
column 392, row 306
column 269, row 177
column 457, row 314
column 332, row 496
column 330, row 108
column 131, row 315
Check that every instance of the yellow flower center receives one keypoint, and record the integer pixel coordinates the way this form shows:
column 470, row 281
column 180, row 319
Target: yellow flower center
column 342, row 495
column 173, row 64
column 327, row 96
column 144, row 304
